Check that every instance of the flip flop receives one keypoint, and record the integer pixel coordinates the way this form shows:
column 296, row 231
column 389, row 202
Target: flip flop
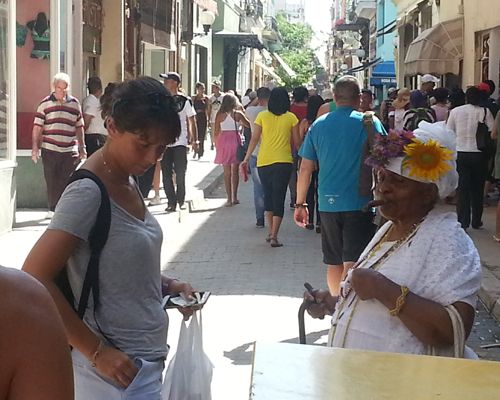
column 236, row 202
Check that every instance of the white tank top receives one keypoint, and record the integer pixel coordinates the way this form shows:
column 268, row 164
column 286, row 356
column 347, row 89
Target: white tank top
column 229, row 124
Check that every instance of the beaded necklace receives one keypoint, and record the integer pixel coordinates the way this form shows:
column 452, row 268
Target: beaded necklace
column 375, row 266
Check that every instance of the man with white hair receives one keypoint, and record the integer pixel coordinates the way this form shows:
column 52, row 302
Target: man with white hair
column 58, row 133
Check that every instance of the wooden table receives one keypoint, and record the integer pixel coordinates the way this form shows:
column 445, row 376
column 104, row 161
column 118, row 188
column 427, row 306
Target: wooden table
column 284, row 371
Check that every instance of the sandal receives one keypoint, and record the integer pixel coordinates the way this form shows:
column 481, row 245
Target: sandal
column 268, row 238
column 236, row 202
column 228, row 204
column 496, row 239
column 275, row 243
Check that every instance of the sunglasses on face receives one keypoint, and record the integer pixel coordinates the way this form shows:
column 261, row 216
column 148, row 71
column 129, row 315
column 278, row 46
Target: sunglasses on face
column 154, row 100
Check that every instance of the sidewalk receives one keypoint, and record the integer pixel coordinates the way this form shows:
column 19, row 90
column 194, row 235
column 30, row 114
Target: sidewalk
column 256, row 289
column 202, row 177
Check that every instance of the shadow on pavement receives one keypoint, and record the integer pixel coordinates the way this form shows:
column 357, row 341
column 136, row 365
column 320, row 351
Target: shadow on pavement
column 243, row 355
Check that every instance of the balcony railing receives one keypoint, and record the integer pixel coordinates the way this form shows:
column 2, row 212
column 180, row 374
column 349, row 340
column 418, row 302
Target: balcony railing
column 254, row 8
column 271, row 24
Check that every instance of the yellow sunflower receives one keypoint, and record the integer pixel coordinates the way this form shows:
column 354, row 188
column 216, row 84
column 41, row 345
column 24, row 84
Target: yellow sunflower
column 427, row 161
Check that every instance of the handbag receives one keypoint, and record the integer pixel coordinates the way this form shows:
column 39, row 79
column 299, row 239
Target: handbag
column 484, row 141
column 241, row 151
column 458, row 348
column 189, row 373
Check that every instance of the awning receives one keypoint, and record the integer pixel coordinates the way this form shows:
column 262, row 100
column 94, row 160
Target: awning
column 384, row 69
column 436, row 50
column 209, row 5
column 245, row 39
column 269, row 71
column 290, row 72
column 383, row 73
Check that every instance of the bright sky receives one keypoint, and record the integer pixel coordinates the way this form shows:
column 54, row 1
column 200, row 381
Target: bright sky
column 319, row 17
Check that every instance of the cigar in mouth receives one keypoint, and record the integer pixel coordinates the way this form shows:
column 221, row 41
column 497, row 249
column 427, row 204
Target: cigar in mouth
column 374, row 203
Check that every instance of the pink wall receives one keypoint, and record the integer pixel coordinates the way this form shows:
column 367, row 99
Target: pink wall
column 33, row 75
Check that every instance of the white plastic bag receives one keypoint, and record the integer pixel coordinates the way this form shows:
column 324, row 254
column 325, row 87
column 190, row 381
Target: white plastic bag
column 189, row 373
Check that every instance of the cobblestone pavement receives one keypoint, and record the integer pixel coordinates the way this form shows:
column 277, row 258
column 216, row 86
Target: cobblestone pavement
column 256, row 289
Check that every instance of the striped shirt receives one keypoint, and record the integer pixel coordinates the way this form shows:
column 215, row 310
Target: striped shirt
column 59, row 122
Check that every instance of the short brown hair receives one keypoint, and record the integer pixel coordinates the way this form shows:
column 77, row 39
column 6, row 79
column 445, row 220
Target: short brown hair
column 347, row 89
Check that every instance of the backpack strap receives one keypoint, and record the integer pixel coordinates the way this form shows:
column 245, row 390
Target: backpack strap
column 97, row 239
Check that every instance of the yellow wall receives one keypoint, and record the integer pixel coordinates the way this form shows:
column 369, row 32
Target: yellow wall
column 111, row 59
column 480, row 15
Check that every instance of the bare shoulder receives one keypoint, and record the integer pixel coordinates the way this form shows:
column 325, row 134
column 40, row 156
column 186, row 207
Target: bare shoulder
column 32, row 341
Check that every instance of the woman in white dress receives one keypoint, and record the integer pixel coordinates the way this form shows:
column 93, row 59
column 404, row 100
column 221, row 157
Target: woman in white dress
column 398, row 296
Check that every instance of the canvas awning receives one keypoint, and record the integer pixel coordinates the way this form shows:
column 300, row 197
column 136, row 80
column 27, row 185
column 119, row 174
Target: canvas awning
column 289, row 71
column 436, row 50
column 269, row 71
column 383, row 73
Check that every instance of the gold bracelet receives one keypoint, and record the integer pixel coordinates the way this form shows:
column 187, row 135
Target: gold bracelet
column 100, row 346
column 400, row 301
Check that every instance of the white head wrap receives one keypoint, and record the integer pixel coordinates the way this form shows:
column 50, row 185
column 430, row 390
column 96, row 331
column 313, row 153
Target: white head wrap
column 446, row 138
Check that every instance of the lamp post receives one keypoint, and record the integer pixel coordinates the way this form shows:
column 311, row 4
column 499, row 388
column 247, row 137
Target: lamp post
column 207, row 18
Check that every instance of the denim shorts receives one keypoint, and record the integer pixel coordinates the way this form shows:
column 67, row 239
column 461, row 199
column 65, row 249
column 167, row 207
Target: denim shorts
column 146, row 385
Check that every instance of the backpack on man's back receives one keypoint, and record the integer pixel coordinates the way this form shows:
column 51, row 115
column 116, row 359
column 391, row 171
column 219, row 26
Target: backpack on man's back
column 414, row 116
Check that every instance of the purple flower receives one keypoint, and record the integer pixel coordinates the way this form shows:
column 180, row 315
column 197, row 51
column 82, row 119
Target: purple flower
column 388, row 146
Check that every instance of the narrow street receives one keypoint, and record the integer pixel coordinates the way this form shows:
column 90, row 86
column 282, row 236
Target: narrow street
column 256, row 289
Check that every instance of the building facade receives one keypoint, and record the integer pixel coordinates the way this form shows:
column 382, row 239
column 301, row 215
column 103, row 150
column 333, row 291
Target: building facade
column 434, row 34
column 115, row 40
column 293, row 9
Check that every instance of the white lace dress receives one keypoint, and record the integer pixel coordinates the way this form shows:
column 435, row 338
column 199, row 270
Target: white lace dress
column 439, row 263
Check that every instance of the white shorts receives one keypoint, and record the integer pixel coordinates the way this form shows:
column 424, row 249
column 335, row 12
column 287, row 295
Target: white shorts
column 146, row 385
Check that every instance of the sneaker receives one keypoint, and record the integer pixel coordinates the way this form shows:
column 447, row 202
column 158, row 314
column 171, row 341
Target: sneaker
column 183, row 206
column 49, row 215
column 170, row 208
column 309, row 227
column 260, row 223
column 318, row 228
column 155, row 201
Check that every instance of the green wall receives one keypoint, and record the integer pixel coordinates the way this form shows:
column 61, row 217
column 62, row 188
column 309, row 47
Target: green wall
column 31, row 189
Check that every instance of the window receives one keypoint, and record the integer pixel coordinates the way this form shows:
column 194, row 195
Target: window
column 4, row 78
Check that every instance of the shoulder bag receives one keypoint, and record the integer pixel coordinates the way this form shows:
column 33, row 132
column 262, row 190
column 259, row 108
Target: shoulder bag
column 483, row 139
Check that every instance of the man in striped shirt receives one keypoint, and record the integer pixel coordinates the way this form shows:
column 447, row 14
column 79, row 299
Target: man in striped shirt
column 58, row 132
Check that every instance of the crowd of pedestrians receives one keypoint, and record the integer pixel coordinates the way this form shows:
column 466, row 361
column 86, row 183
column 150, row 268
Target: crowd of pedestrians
column 335, row 156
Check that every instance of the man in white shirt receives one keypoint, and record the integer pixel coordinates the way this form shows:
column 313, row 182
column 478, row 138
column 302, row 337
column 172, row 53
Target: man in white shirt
column 214, row 104
column 95, row 132
column 175, row 157
column 252, row 111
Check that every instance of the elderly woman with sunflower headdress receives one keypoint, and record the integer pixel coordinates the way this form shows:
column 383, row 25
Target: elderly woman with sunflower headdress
column 413, row 289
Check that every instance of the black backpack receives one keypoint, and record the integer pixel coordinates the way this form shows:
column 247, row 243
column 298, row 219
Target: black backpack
column 414, row 116
column 97, row 239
